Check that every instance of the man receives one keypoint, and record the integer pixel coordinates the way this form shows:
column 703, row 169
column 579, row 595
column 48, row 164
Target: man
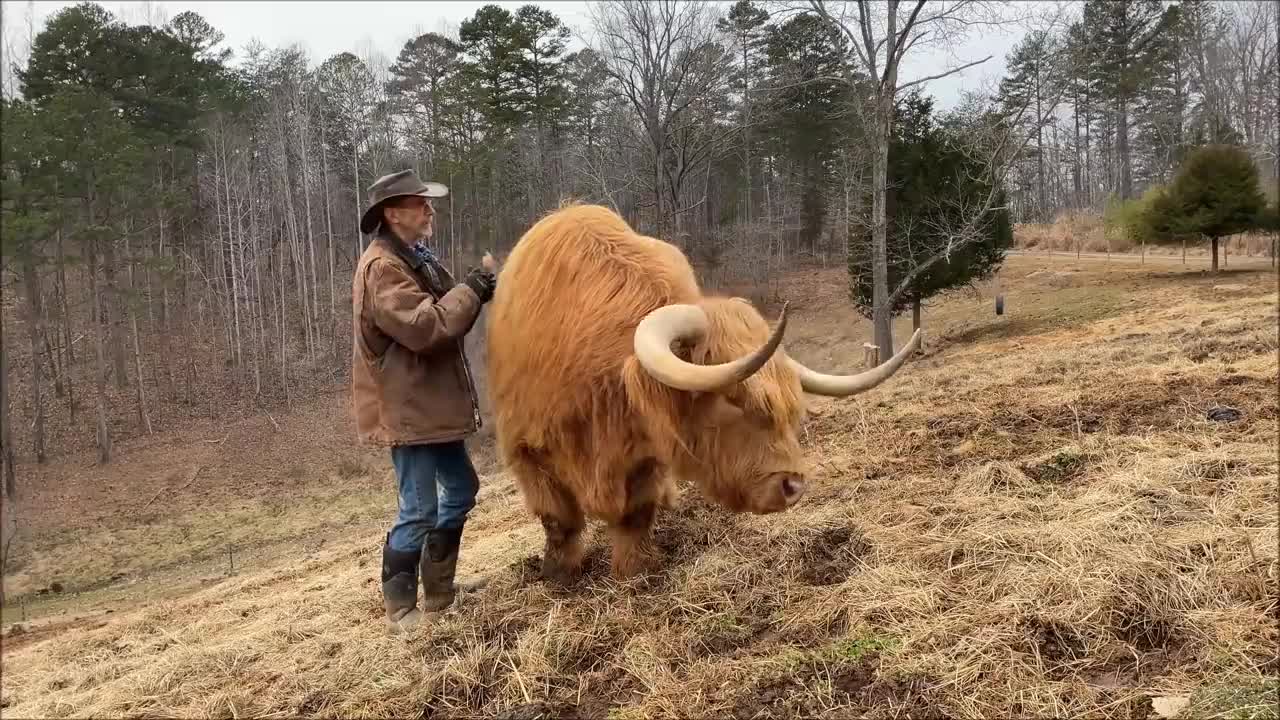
column 412, row 389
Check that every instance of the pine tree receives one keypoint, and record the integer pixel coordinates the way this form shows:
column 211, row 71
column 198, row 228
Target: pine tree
column 1082, row 92
column 1215, row 193
column 1127, row 36
column 807, row 115
column 1025, row 91
column 747, row 24
column 492, row 65
column 1162, row 107
column 539, row 39
column 417, row 86
column 935, row 179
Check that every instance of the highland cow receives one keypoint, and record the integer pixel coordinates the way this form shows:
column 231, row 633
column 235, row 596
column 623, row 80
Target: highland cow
column 610, row 374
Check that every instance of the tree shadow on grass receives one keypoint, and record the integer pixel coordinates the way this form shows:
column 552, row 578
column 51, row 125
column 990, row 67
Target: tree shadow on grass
column 1088, row 306
column 1204, row 274
column 998, row 330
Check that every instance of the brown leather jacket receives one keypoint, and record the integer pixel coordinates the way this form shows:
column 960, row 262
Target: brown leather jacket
column 410, row 381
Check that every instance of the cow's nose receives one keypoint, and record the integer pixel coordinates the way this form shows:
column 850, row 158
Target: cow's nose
column 793, row 486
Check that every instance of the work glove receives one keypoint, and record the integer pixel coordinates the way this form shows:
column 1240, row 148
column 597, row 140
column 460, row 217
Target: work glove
column 482, row 282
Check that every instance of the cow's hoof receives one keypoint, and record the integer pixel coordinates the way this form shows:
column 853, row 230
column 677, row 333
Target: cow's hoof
column 635, row 565
column 558, row 574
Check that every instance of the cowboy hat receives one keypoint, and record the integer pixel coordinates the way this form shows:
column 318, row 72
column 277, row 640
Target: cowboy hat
column 397, row 184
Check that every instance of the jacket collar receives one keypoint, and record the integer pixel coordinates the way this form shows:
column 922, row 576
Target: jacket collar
column 419, row 258
column 395, row 246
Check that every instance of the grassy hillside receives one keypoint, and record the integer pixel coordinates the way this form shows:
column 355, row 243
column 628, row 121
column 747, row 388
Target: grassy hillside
column 1034, row 518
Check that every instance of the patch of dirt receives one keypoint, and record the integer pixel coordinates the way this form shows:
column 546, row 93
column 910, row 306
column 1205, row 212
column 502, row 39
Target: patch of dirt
column 1145, row 632
column 685, row 532
column 1058, row 468
column 20, row 635
column 725, row 638
column 502, row 632
column 440, row 644
column 604, row 690
column 857, row 687
column 828, row 556
column 593, row 656
column 1058, row 645
column 544, row 711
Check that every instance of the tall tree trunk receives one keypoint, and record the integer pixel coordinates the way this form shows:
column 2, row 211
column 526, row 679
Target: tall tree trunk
column 68, row 343
column 113, row 315
column 233, row 242
column 223, row 277
column 296, row 255
column 883, row 328
column 31, row 279
column 313, row 329
column 1213, row 247
column 1122, row 148
column 143, row 416
column 1088, row 152
column 166, row 351
column 99, row 352
column 328, row 224
column 355, row 185
column 1076, row 185
column 880, row 136
column 1044, row 204
column 453, row 233
column 7, row 454
column 659, row 159
column 259, row 310
column 746, row 125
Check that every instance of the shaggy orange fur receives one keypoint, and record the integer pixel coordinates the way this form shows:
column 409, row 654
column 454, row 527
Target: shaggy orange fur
column 584, row 429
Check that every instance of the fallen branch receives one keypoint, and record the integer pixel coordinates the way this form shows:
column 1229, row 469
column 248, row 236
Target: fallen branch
column 185, row 485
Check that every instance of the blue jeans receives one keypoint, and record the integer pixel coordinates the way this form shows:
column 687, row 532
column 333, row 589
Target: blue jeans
column 437, row 488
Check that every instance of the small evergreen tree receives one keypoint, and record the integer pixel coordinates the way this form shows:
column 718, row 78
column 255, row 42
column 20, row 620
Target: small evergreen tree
column 936, row 179
column 1215, row 194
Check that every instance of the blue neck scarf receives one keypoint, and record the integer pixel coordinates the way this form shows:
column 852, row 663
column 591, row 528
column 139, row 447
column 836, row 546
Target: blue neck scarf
column 424, row 252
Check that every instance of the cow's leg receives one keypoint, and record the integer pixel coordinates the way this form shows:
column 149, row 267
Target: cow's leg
column 668, row 493
column 648, row 488
column 562, row 519
column 563, row 551
column 632, row 539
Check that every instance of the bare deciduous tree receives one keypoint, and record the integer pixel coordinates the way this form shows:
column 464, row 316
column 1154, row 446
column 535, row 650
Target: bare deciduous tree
column 657, row 53
column 877, row 40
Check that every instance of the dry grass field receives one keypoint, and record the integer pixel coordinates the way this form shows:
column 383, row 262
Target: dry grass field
column 1036, row 518
column 1086, row 232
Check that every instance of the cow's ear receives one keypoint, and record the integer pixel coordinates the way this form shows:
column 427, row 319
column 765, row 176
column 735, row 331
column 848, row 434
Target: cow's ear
column 683, row 350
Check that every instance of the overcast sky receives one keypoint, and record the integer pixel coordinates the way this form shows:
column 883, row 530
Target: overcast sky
column 326, row 28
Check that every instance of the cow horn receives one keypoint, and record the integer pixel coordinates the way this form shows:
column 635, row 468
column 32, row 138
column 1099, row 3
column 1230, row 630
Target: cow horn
column 669, row 323
column 846, row 385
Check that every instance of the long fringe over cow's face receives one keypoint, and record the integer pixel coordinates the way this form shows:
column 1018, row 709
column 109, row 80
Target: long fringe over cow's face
column 743, row 446
column 738, row 443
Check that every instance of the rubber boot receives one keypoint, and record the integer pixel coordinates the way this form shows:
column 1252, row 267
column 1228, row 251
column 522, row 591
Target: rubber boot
column 400, row 588
column 438, row 564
